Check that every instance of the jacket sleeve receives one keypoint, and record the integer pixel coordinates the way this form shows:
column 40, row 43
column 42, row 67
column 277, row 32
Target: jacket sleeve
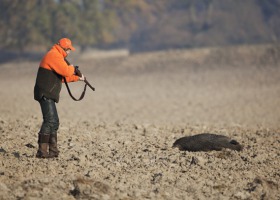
column 58, row 64
column 72, row 78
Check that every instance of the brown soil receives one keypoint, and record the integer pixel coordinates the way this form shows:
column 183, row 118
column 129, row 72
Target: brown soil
column 116, row 143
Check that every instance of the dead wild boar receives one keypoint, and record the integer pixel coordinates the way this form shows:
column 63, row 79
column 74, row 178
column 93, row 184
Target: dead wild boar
column 206, row 142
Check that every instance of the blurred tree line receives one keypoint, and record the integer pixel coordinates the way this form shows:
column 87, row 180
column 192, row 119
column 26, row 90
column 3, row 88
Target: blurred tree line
column 33, row 25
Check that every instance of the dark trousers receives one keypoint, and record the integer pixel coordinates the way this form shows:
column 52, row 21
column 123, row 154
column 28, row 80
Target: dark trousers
column 51, row 121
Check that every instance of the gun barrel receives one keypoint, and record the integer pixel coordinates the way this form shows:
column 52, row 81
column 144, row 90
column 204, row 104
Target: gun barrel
column 89, row 85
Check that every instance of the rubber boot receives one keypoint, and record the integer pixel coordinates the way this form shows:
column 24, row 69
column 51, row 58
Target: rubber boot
column 43, row 142
column 53, row 150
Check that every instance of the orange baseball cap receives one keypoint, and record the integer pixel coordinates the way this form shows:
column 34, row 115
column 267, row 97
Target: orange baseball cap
column 66, row 44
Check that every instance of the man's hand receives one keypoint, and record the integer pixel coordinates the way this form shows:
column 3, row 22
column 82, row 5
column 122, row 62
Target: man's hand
column 82, row 78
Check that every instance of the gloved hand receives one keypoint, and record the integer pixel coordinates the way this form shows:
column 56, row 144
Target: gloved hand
column 82, row 78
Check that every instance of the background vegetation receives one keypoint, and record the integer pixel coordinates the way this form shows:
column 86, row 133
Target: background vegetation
column 140, row 25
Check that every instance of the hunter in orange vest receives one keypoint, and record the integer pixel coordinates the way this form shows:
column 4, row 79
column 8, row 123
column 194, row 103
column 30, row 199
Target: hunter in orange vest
column 52, row 69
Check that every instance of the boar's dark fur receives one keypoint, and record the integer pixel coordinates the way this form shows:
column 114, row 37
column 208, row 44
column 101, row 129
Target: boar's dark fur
column 206, row 142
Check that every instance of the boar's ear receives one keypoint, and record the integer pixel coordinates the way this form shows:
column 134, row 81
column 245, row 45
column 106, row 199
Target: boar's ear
column 234, row 142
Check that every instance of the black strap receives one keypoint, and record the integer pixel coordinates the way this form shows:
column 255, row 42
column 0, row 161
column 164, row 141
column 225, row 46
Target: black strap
column 82, row 95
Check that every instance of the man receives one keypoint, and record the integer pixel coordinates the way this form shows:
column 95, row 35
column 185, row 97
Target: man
column 52, row 69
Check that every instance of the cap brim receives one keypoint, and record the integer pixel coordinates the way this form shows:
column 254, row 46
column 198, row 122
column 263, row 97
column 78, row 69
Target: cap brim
column 72, row 48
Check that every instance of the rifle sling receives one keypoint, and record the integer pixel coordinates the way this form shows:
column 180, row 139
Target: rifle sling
column 68, row 89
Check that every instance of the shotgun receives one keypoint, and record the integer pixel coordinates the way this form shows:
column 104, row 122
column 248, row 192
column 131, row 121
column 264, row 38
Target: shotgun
column 78, row 73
